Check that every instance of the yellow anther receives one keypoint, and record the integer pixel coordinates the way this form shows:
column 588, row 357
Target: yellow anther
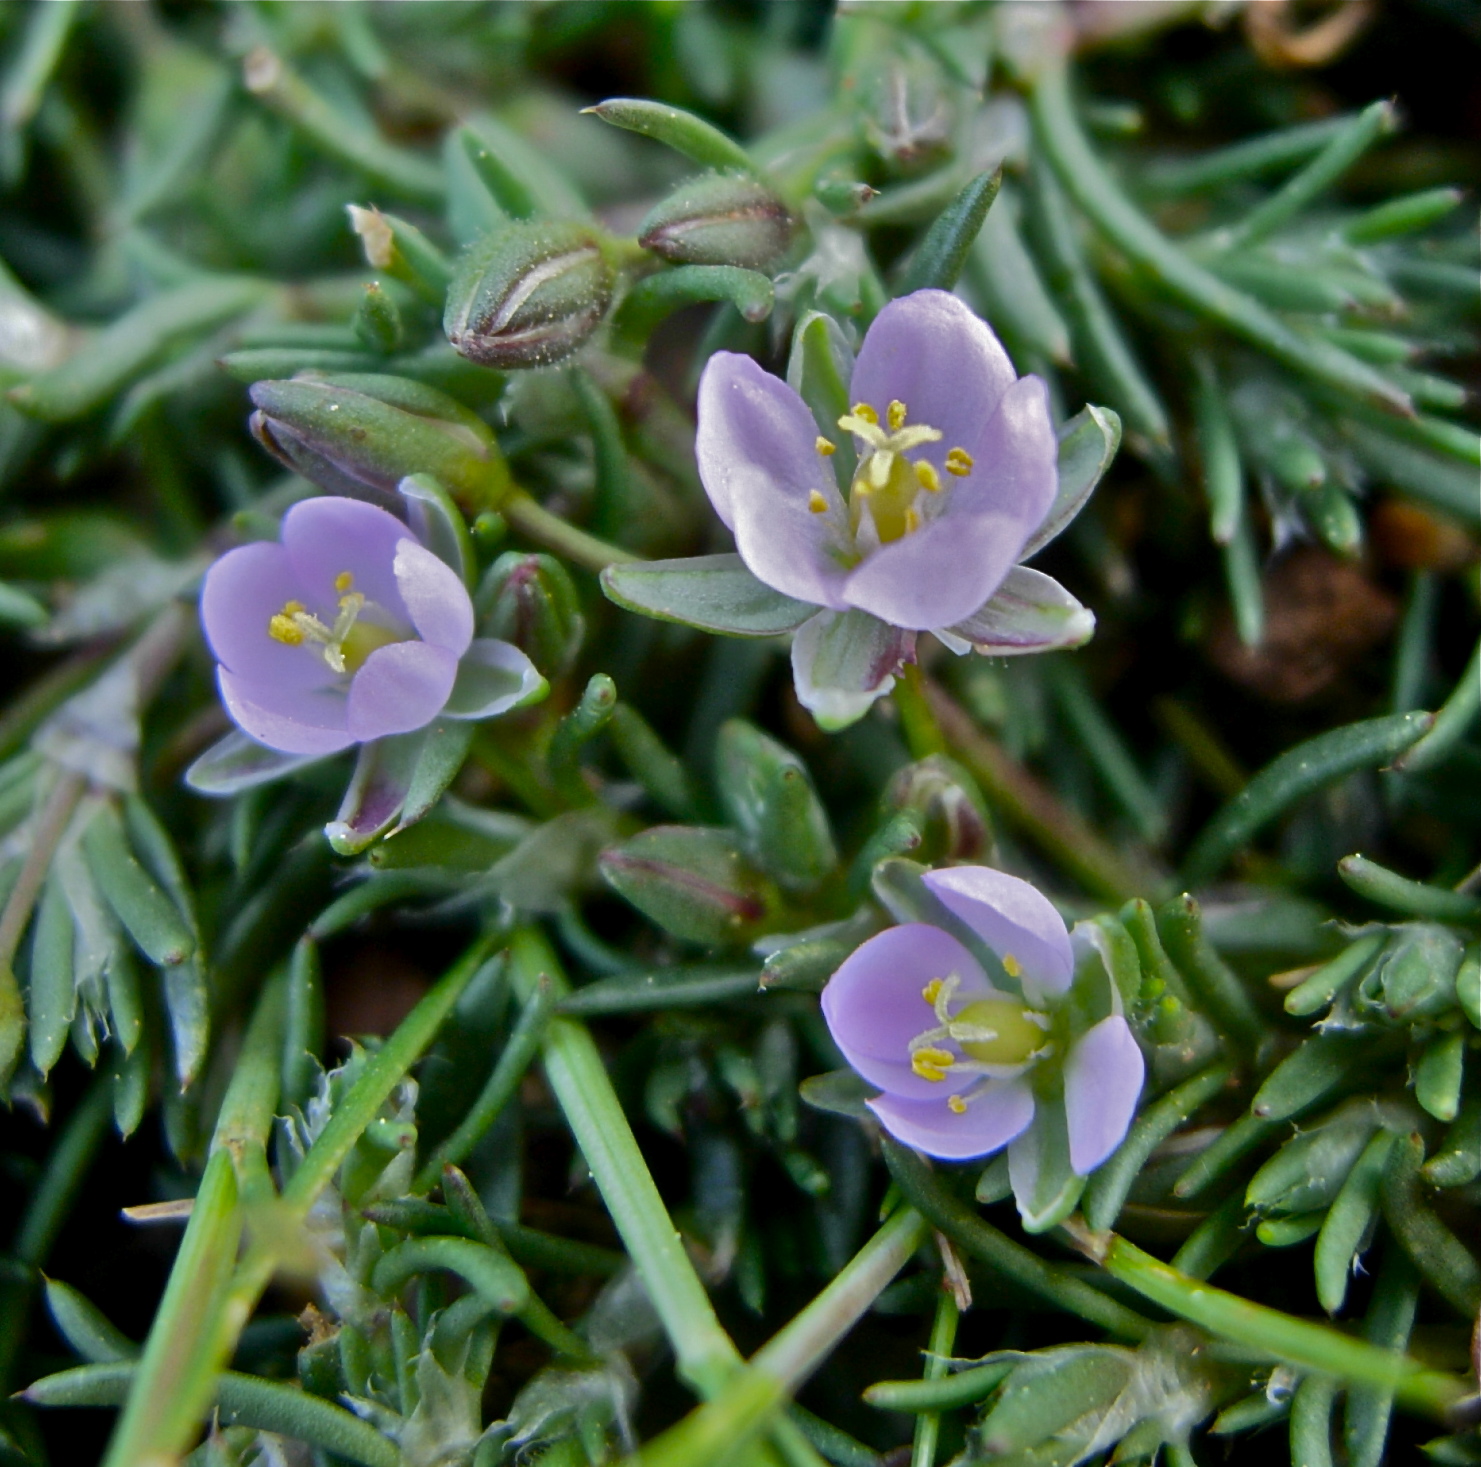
column 896, row 415
column 959, row 462
column 825, row 446
column 863, row 410
column 927, row 477
column 956, row 1105
column 344, row 581
column 1011, row 966
column 932, row 1064
column 932, row 991
column 912, row 519
column 282, row 628
column 816, row 503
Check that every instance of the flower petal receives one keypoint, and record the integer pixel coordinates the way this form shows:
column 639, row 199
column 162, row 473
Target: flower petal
column 842, row 662
column 328, row 535
column 1029, row 612
column 991, row 1120
column 401, row 687
column 874, row 1007
column 243, row 590
column 760, row 466
column 1011, row 917
column 293, row 721
column 948, row 568
column 434, row 596
column 493, row 677
column 929, row 351
column 1103, row 1075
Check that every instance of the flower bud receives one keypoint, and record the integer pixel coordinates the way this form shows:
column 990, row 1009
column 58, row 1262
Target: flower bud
column 954, row 821
column 692, row 882
column 1415, row 976
column 362, row 433
column 528, row 294
column 719, row 219
column 529, row 600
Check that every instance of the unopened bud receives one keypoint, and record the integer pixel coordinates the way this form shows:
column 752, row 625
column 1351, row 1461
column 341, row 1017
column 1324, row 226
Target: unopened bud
column 530, row 600
column 719, row 219
column 692, row 882
column 1415, row 976
column 954, row 820
column 362, row 433
column 528, row 295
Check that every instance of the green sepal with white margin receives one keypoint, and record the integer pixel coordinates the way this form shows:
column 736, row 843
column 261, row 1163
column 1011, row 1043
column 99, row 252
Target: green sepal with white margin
column 842, row 661
column 235, row 763
column 1045, row 1186
column 438, row 523
column 715, row 593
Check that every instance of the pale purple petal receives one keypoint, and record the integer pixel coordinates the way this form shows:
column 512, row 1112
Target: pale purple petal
column 1012, row 918
column 991, row 1120
column 842, row 662
column 434, row 596
column 1103, row 1076
column 874, row 1007
column 401, row 687
column 947, row 569
column 299, row 721
column 785, row 544
column 749, row 419
column 929, row 351
column 242, row 592
column 328, row 535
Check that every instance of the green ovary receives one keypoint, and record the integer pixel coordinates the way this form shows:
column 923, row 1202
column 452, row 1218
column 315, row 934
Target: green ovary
column 893, row 505
column 361, row 640
column 1017, row 1036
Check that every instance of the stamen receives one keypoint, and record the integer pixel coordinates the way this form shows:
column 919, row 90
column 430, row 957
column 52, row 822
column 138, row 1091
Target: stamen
column 932, row 1064
column 956, row 1105
column 344, row 581
column 1011, row 966
column 959, row 462
column 932, row 991
column 816, row 503
column 912, row 519
column 282, row 628
column 896, row 415
column 867, row 413
column 825, row 447
column 927, row 477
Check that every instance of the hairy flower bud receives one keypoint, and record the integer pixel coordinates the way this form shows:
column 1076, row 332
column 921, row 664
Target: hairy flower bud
column 719, row 219
column 955, row 824
column 529, row 600
column 528, row 295
column 362, row 433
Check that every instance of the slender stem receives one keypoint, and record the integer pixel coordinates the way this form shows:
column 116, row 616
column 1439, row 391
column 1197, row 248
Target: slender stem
column 719, row 1432
column 923, row 734
column 943, row 1342
column 1034, row 808
column 159, row 1420
column 1281, row 1336
column 577, row 1074
column 46, row 835
column 549, row 530
column 1087, row 182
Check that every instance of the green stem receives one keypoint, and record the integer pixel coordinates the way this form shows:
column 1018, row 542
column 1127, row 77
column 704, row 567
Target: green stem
column 1087, row 182
column 160, row 1419
column 1280, row 1336
column 923, row 734
column 544, row 528
column 723, row 1428
column 943, row 1342
column 574, row 1066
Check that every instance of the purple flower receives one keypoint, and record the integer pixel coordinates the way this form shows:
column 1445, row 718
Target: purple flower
column 957, row 470
column 348, row 630
column 974, row 1055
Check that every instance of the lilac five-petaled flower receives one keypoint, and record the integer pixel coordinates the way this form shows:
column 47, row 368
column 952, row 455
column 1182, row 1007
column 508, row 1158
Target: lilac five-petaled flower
column 956, row 472
column 975, row 1055
column 348, row 630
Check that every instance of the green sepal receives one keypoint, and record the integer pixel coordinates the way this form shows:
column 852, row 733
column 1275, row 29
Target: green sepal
column 713, row 592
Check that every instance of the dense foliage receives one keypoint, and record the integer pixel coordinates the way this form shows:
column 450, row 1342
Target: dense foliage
column 454, row 1045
